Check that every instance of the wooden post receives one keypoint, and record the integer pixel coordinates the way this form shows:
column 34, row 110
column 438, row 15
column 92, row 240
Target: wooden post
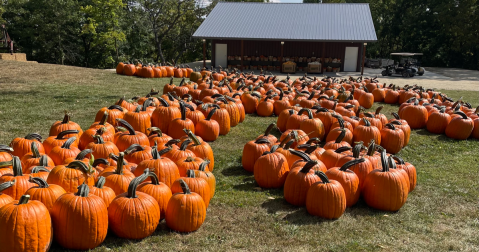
column 322, row 57
column 282, row 61
column 204, row 53
column 364, row 55
column 242, row 55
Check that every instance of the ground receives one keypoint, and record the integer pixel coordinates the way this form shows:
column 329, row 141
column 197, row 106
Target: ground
column 439, row 215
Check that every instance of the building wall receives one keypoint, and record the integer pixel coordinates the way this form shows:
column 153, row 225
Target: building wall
column 291, row 49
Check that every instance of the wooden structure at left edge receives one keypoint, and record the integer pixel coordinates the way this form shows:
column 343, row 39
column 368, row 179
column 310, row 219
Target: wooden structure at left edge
column 317, row 30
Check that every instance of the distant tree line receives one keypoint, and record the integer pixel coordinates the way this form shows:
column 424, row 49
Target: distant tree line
column 100, row 33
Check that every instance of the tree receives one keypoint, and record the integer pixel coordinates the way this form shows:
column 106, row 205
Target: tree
column 101, row 32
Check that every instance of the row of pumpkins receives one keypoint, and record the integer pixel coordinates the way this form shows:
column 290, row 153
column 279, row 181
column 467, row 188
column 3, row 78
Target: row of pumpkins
column 330, row 178
column 429, row 109
column 155, row 71
column 79, row 183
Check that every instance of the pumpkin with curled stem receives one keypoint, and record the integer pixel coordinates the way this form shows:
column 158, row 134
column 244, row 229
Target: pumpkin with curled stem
column 326, row 198
column 271, row 169
column 186, row 211
column 65, row 124
column 22, row 145
column 384, row 189
column 45, row 193
column 298, row 181
column 134, row 214
column 102, row 191
column 22, row 182
column 158, row 190
column 348, row 180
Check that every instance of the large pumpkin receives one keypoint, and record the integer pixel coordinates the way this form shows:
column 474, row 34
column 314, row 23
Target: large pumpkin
column 134, row 215
column 186, row 211
column 80, row 214
column 26, row 226
column 326, row 198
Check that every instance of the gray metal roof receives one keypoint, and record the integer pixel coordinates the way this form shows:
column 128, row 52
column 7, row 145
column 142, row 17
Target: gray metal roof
column 346, row 22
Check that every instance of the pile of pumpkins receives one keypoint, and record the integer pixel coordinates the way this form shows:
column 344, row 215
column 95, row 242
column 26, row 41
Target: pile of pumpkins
column 436, row 112
column 153, row 71
column 330, row 178
column 75, row 185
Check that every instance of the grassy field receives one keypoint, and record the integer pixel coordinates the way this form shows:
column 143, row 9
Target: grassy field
column 440, row 214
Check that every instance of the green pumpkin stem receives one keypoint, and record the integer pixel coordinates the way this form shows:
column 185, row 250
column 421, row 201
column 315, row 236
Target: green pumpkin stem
column 155, row 130
column 308, row 166
column 154, row 178
column 83, row 190
column 98, row 139
column 127, row 126
column 268, row 130
column 399, row 160
column 17, row 166
column 322, row 176
column 39, row 181
column 83, row 154
column 190, row 174
column 6, row 185
column 184, row 187
column 341, row 136
column 135, row 182
column 103, row 118
column 66, row 132
column 351, row 163
column 33, row 136
column 99, row 161
column 193, row 137
column 134, row 148
column 185, row 144
column 371, row 148
column 396, row 115
column 357, row 150
column 67, row 144
column 38, row 169
column 300, row 154
column 79, row 165
column 100, row 182
column 24, row 199
column 384, row 161
column 66, row 118
column 366, row 122
column 35, row 152
column 210, row 114
column 391, row 163
column 119, row 164
column 342, row 149
column 204, row 164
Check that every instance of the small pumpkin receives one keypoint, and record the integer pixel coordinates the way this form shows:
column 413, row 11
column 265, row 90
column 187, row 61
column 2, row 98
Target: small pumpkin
column 45, row 193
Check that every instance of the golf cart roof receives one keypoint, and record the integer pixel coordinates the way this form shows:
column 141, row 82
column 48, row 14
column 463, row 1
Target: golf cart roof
column 406, row 54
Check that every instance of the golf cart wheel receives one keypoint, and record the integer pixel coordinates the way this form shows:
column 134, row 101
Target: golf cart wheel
column 384, row 73
column 411, row 75
column 420, row 74
column 405, row 74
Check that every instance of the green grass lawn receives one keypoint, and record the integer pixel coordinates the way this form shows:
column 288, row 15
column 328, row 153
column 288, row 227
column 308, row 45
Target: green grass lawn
column 440, row 214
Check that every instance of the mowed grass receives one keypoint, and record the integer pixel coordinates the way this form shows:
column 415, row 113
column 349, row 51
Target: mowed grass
column 440, row 214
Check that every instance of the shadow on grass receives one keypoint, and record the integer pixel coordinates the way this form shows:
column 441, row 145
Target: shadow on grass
column 235, row 171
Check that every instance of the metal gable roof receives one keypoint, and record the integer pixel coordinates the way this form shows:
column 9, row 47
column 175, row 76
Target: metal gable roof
column 288, row 22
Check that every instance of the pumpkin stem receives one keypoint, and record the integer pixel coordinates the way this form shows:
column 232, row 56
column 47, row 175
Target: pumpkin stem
column 300, row 154
column 341, row 136
column 155, row 130
column 38, row 169
column 83, row 190
column 190, row 174
column 79, row 165
column 262, row 141
column 135, row 182
column 5, row 148
column 384, row 161
column 366, row 122
column 342, row 149
column 32, row 136
column 308, row 166
column 17, row 166
column 185, row 144
column 39, row 181
column 24, row 199
column 35, row 152
column 100, row 182
column 127, row 126
column 322, row 176
column 82, row 154
column 399, row 160
column 99, row 161
column 193, row 137
column 66, row 132
column 357, row 150
column 204, row 164
column 462, row 114
column 134, row 148
column 67, row 144
column 378, row 110
column 103, row 118
column 66, row 118
column 210, row 114
column 351, row 163
column 119, row 164
column 98, row 139
column 391, row 162
column 6, row 185
column 184, row 187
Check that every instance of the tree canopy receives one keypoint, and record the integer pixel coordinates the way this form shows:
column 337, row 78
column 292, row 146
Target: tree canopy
column 100, row 33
